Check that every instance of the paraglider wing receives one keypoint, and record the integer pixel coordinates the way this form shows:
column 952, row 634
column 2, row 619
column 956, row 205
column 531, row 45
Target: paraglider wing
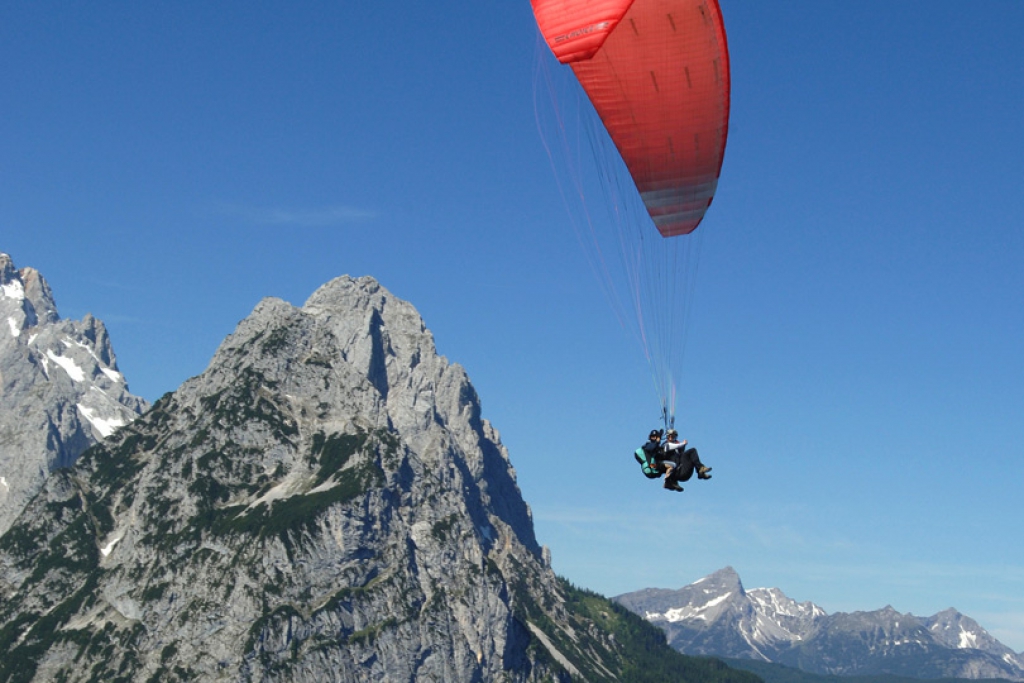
column 658, row 76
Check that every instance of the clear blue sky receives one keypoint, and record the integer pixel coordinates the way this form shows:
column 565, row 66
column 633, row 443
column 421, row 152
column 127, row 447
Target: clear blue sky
column 855, row 363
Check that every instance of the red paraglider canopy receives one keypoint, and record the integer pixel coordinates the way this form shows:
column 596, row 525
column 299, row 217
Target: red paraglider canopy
column 657, row 72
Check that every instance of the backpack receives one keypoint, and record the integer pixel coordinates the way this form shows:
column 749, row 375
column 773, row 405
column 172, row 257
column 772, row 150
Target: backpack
column 647, row 467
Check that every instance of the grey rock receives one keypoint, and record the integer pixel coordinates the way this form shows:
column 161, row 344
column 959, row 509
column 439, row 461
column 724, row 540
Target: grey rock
column 60, row 387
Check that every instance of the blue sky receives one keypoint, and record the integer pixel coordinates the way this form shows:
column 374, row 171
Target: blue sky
column 854, row 368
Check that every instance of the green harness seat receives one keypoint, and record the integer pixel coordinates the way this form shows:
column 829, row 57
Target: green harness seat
column 648, row 467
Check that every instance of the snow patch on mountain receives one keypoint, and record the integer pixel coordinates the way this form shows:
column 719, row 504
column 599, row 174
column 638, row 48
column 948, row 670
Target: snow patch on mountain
column 968, row 640
column 109, row 547
column 69, row 365
column 13, row 290
column 113, row 375
column 691, row 612
column 104, row 425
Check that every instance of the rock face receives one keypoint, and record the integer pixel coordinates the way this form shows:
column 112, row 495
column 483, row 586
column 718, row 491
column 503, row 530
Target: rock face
column 323, row 503
column 716, row 616
column 60, row 388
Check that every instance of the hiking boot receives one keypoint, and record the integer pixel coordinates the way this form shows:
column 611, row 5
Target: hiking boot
column 702, row 472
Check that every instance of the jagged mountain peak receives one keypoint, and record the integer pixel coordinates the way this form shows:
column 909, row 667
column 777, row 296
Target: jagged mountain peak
column 61, row 387
column 354, row 332
column 29, row 300
column 317, row 483
column 774, row 601
column 956, row 630
column 725, row 578
column 703, row 600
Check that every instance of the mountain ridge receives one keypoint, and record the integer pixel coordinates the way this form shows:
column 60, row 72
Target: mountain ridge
column 716, row 616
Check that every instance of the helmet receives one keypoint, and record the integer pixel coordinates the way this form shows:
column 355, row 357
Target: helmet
column 672, row 433
column 655, row 434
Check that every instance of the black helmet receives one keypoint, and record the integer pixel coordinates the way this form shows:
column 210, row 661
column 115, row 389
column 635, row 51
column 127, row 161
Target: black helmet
column 655, row 434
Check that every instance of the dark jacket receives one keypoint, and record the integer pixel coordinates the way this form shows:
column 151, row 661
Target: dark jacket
column 653, row 451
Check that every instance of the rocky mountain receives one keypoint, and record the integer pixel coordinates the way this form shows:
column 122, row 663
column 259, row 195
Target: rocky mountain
column 324, row 503
column 716, row 616
column 60, row 387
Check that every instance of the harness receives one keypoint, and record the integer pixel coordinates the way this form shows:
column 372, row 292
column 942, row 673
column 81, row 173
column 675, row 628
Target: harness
column 647, row 466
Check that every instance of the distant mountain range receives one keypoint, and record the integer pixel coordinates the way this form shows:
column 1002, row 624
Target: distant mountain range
column 716, row 616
